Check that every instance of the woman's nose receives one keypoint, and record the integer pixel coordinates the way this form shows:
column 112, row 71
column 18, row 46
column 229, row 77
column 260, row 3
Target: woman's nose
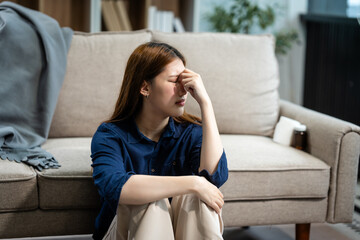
column 181, row 90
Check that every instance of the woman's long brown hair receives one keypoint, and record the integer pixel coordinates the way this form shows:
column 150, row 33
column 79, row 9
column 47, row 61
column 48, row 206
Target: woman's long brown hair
column 145, row 63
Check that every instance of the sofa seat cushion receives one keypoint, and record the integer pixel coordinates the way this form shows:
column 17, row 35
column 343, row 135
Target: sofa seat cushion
column 18, row 187
column 71, row 186
column 259, row 168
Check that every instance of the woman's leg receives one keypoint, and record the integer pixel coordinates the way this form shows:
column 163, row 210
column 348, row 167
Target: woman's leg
column 194, row 220
column 148, row 221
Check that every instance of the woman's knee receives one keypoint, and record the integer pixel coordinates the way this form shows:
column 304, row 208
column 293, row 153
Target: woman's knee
column 134, row 210
column 194, row 218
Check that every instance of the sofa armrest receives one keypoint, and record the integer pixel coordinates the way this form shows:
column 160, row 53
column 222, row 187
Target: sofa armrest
column 337, row 143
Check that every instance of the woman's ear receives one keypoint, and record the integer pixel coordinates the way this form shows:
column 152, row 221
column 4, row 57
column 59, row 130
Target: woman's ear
column 145, row 89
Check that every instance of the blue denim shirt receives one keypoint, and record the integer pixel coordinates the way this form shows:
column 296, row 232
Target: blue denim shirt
column 120, row 150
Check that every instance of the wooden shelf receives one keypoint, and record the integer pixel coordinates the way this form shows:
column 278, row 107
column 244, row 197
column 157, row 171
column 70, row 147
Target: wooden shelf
column 69, row 13
column 85, row 15
column 138, row 10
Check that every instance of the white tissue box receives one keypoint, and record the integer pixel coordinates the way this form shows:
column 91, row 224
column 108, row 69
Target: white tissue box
column 284, row 130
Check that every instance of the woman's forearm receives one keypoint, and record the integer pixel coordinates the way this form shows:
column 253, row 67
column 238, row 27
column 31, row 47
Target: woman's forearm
column 211, row 149
column 142, row 189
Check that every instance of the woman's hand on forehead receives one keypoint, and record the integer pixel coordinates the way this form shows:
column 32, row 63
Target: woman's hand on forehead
column 192, row 83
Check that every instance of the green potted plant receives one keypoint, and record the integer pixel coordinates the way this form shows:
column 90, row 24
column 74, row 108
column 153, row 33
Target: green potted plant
column 243, row 15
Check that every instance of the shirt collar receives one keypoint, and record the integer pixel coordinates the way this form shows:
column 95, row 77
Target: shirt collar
column 169, row 129
column 134, row 135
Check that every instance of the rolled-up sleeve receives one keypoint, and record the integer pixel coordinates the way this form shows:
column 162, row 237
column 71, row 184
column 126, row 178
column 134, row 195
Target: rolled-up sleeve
column 220, row 176
column 109, row 173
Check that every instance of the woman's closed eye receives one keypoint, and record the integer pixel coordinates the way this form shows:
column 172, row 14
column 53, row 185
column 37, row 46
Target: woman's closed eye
column 174, row 79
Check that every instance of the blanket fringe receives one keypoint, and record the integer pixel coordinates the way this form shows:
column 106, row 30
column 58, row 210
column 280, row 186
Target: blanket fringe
column 35, row 157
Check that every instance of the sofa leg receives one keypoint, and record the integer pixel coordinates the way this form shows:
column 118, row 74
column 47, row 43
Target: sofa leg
column 303, row 231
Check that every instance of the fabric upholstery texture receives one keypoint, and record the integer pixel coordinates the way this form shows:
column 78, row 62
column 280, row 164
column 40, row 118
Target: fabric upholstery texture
column 95, row 68
column 344, row 187
column 327, row 138
column 262, row 169
column 71, row 186
column 47, row 223
column 18, row 187
column 270, row 212
column 240, row 73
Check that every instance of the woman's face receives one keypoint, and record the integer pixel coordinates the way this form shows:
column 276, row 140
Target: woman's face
column 167, row 95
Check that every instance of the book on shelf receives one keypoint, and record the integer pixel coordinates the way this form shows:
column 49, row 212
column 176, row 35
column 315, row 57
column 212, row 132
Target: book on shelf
column 169, row 21
column 151, row 18
column 115, row 15
column 109, row 16
column 163, row 21
column 122, row 14
column 178, row 26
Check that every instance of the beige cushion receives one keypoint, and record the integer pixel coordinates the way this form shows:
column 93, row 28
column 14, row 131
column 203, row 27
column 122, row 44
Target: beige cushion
column 33, row 224
column 18, row 187
column 274, row 211
column 71, row 186
column 95, row 68
column 259, row 169
column 240, row 73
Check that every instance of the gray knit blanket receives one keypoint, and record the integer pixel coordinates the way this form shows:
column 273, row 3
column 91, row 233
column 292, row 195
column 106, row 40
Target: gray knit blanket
column 33, row 52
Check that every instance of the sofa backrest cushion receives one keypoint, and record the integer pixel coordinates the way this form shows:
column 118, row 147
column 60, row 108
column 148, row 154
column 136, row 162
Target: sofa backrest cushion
column 240, row 73
column 95, row 68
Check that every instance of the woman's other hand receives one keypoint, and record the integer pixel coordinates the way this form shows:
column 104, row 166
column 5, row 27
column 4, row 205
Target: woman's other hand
column 209, row 194
column 193, row 84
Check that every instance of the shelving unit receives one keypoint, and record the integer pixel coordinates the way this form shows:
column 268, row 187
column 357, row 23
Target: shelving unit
column 186, row 10
column 138, row 10
column 80, row 15
column 85, row 15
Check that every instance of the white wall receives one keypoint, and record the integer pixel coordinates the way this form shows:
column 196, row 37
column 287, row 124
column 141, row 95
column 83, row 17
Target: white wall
column 291, row 66
column 296, row 57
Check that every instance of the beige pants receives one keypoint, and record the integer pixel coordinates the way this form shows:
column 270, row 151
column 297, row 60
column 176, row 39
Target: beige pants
column 186, row 218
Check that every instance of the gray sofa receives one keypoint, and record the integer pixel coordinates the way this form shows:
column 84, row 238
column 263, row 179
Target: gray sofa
column 268, row 183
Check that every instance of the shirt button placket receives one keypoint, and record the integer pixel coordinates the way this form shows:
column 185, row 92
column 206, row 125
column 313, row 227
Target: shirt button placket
column 154, row 156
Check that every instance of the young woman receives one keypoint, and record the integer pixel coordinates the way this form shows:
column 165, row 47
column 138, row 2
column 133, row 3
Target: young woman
column 151, row 150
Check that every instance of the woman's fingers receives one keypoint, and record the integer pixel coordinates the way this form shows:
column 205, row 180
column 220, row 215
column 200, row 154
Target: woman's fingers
column 189, row 75
column 188, row 80
column 216, row 207
column 220, row 201
column 188, row 87
column 221, row 195
column 189, row 71
column 211, row 195
column 217, row 204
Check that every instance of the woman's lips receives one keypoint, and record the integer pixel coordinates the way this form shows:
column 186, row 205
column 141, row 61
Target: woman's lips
column 181, row 102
